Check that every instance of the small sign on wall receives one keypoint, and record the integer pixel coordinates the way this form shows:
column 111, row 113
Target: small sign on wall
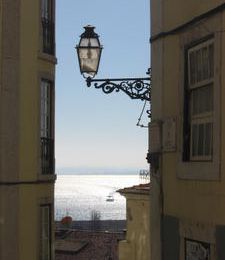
column 155, row 137
column 196, row 250
column 169, row 134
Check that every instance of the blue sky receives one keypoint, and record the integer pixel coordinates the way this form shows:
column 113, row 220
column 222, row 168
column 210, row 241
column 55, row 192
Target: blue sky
column 95, row 130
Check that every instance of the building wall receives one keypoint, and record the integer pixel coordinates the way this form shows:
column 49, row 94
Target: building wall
column 9, row 128
column 31, row 197
column 189, row 196
column 187, row 10
column 137, row 243
column 22, row 188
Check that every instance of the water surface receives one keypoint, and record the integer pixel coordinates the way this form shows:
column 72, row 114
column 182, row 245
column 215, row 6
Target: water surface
column 79, row 195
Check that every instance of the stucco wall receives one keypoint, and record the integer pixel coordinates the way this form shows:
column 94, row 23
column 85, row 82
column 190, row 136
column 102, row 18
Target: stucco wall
column 194, row 196
column 21, row 189
column 137, row 244
column 167, row 15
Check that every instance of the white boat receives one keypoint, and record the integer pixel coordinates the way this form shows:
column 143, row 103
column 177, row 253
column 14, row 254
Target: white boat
column 110, row 198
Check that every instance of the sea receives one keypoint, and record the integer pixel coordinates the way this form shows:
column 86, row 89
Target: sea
column 80, row 195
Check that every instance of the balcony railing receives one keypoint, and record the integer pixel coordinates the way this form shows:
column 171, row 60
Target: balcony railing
column 48, row 29
column 47, row 156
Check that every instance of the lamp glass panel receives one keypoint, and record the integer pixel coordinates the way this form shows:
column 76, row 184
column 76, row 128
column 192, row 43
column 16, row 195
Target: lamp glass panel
column 94, row 42
column 84, row 42
column 89, row 42
column 89, row 59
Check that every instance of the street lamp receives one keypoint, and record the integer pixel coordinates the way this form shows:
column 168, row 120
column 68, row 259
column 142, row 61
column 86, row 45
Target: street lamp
column 89, row 53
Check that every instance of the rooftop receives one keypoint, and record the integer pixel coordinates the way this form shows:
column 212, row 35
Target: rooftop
column 137, row 189
column 81, row 245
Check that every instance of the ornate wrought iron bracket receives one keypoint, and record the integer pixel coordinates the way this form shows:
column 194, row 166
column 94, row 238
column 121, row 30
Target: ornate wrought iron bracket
column 135, row 88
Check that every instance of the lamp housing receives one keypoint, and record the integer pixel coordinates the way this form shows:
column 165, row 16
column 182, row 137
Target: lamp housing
column 89, row 52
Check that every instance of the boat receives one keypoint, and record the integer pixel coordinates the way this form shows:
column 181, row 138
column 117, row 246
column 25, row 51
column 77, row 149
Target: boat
column 110, row 198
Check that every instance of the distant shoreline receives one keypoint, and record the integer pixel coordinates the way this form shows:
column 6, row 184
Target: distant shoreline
column 97, row 173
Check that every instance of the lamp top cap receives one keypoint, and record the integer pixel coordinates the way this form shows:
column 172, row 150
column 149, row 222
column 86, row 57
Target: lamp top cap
column 89, row 32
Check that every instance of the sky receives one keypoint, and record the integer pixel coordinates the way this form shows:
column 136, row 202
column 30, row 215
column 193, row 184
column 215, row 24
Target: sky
column 95, row 131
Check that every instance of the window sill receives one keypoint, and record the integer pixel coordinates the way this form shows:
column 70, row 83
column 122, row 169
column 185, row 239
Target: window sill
column 47, row 57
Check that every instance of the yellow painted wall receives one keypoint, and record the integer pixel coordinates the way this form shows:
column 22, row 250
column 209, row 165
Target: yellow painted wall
column 21, row 191
column 198, row 205
column 185, row 11
column 203, row 200
column 31, row 197
column 31, row 69
column 29, row 90
column 32, row 66
column 137, row 243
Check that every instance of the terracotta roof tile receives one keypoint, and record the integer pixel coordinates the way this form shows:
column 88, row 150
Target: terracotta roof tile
column 141, row 188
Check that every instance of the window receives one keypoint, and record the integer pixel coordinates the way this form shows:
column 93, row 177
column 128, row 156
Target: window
column 46, row 122
column 196, row 249
column 48, row 27
column 198, row 110
column 45, row 232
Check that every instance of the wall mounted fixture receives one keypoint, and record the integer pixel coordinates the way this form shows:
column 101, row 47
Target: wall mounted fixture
column 89, row 52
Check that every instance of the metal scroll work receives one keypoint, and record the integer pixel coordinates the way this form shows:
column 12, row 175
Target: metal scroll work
column 135, row 88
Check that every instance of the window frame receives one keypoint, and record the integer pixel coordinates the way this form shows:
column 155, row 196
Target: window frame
column 47, row 140
column 199, row 170
column 188, row 118
column 47, row 27
column 49, row 238
column 204, row 117
column 48, row 132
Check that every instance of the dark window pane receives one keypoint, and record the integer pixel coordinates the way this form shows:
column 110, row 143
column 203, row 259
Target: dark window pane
column 211, row 60
column 47, row 156
column 192, row 68
column 46, row 125
column 202, row 100
column 201, row 63
column 208, row 139
column 205, row 62
column 46, row 108
column 198, row 67
column 194, row 140
column 200, row 139
column 195, row 102
column 48, row 27
column 46, row 9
